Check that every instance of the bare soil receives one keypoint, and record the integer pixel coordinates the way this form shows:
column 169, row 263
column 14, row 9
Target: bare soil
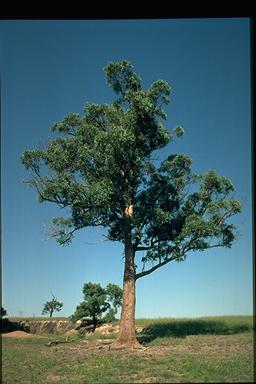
column 17, row 334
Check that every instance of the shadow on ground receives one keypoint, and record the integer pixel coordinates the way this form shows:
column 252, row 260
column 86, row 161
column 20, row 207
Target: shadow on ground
column 190, row 327
column 11, row 326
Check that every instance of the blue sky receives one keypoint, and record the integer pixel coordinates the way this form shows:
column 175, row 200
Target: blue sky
column 51, row 68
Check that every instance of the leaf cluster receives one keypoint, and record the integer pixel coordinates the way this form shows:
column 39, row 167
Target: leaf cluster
column 95, row 164
column 52, row 306
column 100, row 169
column 177, row 220
column 3, row 312
column 98, row 300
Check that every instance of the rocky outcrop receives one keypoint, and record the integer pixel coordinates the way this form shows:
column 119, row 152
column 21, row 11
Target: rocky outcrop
column 48, row 326
column 110, row 329
column 107, row 329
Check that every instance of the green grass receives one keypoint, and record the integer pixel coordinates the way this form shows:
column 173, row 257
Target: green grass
column 224, row 325
column 167, row 359
column 229, row 320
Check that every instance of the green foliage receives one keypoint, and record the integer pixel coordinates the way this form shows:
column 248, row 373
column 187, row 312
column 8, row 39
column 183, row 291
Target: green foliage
column 109, row 317
column 52, row 306
column 179, row 131
column 100, row 164
column 185, row 327
column 98, row 300
column 114, row 296
column 3, row 312
column 94, row 303
column 121, row 78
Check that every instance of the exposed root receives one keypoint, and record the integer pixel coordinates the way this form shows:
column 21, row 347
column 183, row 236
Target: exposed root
column 130, row 345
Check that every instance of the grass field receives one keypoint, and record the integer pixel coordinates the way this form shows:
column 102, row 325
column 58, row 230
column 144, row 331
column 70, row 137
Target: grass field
column 178, row 351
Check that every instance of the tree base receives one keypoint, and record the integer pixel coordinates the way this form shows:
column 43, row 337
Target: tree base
column 127, row 345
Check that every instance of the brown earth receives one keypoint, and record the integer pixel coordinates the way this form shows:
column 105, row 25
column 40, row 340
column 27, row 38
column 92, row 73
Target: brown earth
column 17, row 334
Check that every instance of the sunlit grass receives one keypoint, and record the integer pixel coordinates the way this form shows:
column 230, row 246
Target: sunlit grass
column 196, row 358
column 247, row 319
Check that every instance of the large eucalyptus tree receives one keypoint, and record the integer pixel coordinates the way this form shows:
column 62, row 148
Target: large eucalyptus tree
column 100, row 167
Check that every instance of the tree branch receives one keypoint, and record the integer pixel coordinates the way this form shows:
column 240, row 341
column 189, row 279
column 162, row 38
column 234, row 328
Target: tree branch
column 57, row 233
column 159, row 265
column 57, row 200
column 146, row 248
column 143, row 248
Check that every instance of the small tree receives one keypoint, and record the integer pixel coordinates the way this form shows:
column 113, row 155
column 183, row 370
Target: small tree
column 110, row 316
column 114, row 297
column 52, row 306
column 94, row 304
column 98, row 300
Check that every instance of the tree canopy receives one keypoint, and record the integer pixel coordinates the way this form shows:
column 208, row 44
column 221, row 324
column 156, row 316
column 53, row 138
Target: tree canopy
column 100, row 168
column 100, row 165
column 3, row 312
column 52, row 306
column 98, row 300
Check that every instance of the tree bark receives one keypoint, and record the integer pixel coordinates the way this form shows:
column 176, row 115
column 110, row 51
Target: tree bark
column 94, row 319
column 126, row 338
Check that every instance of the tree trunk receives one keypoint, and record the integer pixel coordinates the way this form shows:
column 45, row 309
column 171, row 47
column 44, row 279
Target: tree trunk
column 126, row 338
column 94, row 319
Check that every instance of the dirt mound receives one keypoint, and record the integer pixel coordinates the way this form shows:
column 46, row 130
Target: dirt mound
column 17, row 334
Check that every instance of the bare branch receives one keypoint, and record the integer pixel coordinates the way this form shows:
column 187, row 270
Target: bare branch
column 159, row 265
column 143, row 248
column 146, row 248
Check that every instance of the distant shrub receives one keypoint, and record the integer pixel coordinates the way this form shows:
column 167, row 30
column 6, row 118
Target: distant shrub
column 184, row 328
column 3, row 312
column 109, row 317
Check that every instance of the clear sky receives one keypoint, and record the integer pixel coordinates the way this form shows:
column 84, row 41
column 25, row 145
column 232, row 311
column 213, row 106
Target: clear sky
column 51, row 68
